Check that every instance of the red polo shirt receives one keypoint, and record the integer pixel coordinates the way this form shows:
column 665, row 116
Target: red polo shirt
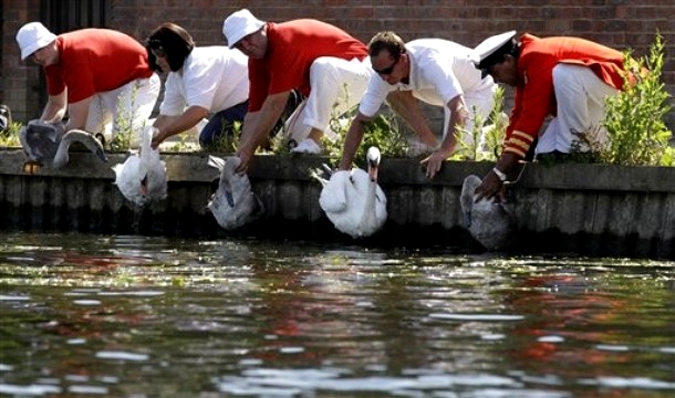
column 292, row 47
column 95, row 60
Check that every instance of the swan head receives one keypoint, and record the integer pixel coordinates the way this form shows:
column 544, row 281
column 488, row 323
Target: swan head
column 373, row 158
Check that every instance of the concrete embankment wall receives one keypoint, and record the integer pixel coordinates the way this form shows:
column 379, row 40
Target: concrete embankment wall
column 565, row 209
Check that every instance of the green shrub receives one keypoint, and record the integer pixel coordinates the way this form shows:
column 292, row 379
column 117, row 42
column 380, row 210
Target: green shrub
column 383, row 132
column 493, row 133
column 10, row 137
column 634, row 119
column 123, row 129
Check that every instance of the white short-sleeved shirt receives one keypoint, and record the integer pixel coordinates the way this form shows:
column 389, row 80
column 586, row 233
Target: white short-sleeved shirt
column 439, row 71
column 215, row 78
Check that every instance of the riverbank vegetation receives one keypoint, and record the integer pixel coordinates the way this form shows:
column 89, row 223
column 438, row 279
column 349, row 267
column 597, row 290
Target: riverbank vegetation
column 637, row 134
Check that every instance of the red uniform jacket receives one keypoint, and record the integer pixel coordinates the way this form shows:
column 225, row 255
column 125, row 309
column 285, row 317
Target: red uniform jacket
column 535, row 98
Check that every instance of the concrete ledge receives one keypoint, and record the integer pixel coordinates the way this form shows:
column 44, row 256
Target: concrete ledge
column 587, row 209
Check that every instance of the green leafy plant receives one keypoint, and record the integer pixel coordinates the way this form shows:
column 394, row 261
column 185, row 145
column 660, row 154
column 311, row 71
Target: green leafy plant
column 226, row 142
column 123, row 129
column 634, row 118
column 486, row 139
column 10, row 137
column 383, row 131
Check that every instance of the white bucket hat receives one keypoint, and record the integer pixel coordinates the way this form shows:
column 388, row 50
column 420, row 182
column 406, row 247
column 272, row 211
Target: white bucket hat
column 239, row 25
column 32, row 37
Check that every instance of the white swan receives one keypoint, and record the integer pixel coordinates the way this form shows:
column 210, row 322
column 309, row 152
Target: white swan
column 490, row 222
column 233, row 204
column 45, row 144
column 353, row 201
column 142, row 176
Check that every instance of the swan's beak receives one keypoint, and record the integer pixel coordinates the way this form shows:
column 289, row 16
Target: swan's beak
column 372, row 172
column 144, row 186
column 229, row 198
column 101, row 155
column 467, row 219
column 31, row 167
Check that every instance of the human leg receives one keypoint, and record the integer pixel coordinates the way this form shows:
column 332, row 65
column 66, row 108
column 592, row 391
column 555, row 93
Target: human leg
column 132, row 105
column 580, row 95
column 479, row 105
column 99, row 119
column 337, row 85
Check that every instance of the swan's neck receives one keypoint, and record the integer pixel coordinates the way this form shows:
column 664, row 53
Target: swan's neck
column 369, row 206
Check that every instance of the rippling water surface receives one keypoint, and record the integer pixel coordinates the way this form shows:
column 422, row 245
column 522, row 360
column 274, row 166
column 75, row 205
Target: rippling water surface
column 123, row 316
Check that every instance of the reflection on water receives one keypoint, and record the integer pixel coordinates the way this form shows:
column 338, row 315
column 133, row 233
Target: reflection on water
column 139, row 317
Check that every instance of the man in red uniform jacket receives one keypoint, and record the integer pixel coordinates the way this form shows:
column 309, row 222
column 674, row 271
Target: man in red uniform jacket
column 567, row 78
column 327, row 65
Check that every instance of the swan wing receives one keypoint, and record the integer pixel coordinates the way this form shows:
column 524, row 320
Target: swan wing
column 154, row 183
column 333, row 197
column 487, row 220
column 128, row 181
column 234, row 204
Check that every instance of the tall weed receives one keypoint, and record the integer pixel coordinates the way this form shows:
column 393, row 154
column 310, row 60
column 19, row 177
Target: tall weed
column 634, row 118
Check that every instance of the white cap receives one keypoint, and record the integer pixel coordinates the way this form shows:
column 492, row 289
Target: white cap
column 493, row 43
column 32, row 37
column 239, row 25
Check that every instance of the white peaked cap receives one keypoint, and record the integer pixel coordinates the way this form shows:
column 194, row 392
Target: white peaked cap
column 493, row 43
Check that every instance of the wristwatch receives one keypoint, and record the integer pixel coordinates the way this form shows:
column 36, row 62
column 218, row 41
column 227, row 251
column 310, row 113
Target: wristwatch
column 499, row 174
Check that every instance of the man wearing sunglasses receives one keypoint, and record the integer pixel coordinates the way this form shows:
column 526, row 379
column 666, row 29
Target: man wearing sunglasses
column 326, row 64
column 435, row 71
column 100, row 76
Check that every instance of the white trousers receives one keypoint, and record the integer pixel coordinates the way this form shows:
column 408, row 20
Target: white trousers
column 337, row 85
column 580, row 95
column 128, row 106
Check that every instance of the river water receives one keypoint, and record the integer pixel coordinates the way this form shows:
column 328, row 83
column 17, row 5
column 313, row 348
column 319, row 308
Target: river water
column 130, row 316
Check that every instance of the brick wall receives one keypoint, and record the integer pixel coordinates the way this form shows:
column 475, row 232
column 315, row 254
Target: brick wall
column 616, row 23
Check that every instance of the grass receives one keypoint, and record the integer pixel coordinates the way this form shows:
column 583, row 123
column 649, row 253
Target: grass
column 10, row 137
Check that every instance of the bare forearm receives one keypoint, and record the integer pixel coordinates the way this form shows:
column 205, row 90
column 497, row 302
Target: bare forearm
column 458, row 117
column 256, row 133
column 507, row 162
column 169, row 127
column 352, row 142
column 455, row 125
column 53, row 113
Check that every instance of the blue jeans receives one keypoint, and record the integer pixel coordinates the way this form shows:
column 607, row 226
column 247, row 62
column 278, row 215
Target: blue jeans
column 222, row 123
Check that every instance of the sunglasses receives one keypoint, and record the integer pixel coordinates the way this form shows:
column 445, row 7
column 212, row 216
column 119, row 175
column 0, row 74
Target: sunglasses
column 156, row 48
column 387, row 71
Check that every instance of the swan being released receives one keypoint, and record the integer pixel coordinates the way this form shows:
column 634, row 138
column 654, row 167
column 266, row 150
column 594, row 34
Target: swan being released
column 142, row 176
column 353, row 201
column 234, row 204
column 45, row 144
column 490, row 222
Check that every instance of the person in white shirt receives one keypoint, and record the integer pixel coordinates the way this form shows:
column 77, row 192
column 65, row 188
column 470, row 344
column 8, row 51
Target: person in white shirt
column 201, row 81
column 435, row 71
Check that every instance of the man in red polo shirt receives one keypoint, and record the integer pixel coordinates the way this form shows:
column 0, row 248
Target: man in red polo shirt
column 94, row 74
column 327, row 65
column 564, row 77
